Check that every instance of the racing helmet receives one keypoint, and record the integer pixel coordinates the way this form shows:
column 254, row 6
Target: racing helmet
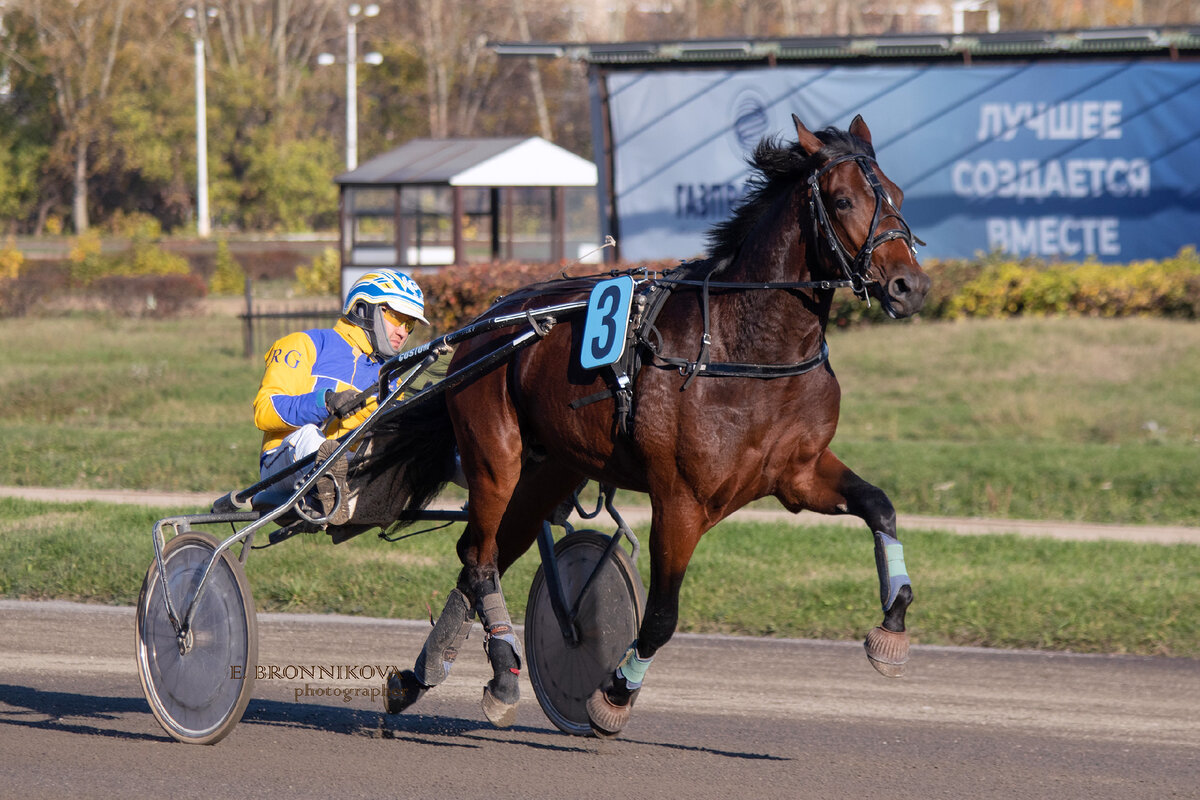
column 379, row 288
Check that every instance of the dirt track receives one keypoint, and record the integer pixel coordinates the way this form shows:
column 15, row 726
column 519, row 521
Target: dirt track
column 720, row 717
column 638, row 514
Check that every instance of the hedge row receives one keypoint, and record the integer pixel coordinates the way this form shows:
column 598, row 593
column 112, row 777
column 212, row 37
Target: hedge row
column 999, row 286
column 990, row 287
column 145, row 281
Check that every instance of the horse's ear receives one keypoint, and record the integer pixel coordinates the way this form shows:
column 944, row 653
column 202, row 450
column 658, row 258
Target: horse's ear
column 808, row 142
column 859, row 128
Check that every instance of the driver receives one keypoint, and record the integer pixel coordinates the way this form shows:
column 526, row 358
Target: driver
column 306, row 398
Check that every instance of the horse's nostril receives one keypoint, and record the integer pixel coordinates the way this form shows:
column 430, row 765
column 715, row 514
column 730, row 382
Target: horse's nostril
column 899, row 287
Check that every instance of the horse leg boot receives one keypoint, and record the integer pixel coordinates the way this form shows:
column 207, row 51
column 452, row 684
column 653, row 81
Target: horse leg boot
column 609, row 707
column 436, row 658
column 887, row 645
column 503, row 691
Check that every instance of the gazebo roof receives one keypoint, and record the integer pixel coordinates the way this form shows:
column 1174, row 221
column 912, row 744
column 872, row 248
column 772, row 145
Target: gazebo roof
column 514, row 161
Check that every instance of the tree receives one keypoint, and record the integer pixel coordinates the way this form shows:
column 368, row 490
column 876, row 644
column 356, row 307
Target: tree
column 26, row 128
column 81, row 43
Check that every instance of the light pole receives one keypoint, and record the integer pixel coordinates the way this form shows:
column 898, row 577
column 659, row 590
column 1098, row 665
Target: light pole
column 353, row 12
column 203, row 227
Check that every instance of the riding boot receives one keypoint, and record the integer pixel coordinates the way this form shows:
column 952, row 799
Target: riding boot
column 332, row 489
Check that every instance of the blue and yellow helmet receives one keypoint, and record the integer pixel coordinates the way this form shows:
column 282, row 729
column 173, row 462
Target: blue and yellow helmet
column 383, row 287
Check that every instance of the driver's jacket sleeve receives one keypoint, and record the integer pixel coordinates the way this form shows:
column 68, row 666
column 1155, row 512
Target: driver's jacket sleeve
column 300, row 368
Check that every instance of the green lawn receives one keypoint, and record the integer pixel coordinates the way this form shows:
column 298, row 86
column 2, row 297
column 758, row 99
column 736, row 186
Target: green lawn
column 1076, row 419
column 996, row 591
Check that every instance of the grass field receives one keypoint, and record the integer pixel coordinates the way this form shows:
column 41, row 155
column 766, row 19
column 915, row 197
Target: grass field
column 996, row 591
column 1073, row 419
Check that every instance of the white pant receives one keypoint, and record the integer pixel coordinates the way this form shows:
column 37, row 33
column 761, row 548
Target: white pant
column 301, row 442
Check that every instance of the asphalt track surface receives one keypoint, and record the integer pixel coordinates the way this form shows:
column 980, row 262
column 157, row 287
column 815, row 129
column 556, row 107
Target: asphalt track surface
column 721, row 717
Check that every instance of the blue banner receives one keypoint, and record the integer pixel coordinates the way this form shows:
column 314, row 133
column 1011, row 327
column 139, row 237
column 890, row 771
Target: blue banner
column 1097, row 159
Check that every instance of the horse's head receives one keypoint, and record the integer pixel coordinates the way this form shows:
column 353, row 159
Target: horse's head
column 856, row 212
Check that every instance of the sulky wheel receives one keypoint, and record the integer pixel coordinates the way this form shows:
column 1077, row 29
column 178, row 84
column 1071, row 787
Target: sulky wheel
column 197, row 696
column 564, row 674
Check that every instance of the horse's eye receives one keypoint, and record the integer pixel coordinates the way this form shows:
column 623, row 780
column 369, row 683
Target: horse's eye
column 842, row 203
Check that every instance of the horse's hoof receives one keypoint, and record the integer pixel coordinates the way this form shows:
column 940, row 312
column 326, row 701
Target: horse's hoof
column 498, row 712
column 402, row 690
column 607, row 718
column 887, row 651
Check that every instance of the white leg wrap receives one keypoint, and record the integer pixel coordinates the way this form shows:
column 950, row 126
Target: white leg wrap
column 493, row 613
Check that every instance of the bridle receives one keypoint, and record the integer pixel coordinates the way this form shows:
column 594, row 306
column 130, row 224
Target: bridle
column 854, row 270
column 855, row 267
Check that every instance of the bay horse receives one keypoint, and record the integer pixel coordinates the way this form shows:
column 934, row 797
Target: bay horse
column 734, row 401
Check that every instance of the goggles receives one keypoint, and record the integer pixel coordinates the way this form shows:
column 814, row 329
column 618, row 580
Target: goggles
column 396, row 318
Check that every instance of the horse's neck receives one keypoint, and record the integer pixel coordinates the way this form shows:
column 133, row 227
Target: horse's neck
column 783, row 256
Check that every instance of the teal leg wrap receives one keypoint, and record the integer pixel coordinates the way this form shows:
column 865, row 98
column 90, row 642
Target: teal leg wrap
column 633, row 668
column 889, row 561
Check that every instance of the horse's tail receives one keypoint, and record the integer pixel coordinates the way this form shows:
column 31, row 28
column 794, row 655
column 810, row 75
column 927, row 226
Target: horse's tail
column 417, row 447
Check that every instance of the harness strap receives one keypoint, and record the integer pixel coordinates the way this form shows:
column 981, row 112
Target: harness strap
column 622, row 390
column 603, row 394
column 739, row 369
column 701, row 362
column 701, row 366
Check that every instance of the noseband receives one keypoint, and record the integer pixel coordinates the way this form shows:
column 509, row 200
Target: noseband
column 855, row 267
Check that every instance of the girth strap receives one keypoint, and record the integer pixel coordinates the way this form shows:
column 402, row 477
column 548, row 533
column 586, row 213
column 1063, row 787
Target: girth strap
column 701, row 366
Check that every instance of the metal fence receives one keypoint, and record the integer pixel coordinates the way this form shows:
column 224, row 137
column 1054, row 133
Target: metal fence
column 265, row 321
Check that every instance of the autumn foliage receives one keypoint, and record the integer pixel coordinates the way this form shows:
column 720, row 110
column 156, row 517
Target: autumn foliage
column 995, row 286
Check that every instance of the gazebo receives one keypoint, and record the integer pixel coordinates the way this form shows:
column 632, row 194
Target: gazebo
column 433, row 202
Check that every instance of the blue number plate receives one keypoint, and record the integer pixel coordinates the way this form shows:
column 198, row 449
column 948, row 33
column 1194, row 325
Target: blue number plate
column 607, row 319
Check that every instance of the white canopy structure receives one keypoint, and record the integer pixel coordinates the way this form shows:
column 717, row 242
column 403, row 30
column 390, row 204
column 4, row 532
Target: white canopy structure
column 422, row 204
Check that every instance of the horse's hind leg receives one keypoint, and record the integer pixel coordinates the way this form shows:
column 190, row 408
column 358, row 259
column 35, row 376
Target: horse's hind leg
column 541, row 487
column 833, row 488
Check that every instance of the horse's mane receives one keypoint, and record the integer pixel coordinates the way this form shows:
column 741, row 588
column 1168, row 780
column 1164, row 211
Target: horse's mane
column 778, row 167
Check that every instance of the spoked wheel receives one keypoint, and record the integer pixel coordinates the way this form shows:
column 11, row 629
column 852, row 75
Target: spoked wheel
column 565, row 674
column 197, row 696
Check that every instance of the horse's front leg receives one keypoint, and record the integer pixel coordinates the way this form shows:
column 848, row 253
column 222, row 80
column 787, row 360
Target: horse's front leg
column 830, row 487
column 675, row 530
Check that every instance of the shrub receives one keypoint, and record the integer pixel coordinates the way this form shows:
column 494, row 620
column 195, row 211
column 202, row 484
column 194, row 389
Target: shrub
column 1008, row 288
column 323, row 276
column 456, row 295
column 86, row 258
column 150, row 259
column 228, row 276
column 32, row 287
column 992, row 286
column 89, row 263
column 134, row 224
column 11, row 260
